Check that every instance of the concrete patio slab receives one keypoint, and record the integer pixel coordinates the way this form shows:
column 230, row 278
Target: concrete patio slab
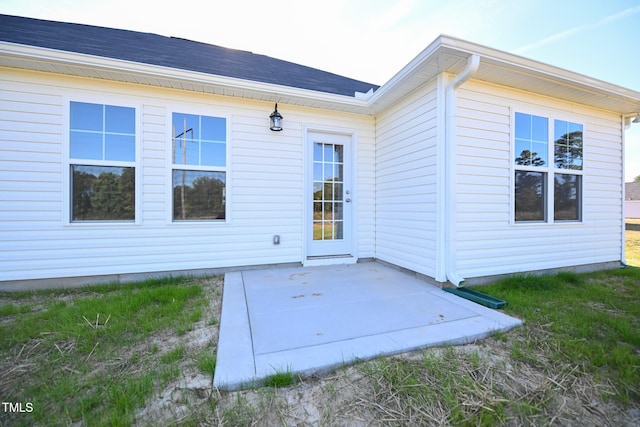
column 310, row 319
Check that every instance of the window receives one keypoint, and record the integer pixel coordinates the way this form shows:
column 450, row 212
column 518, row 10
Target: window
column 534, row 173
column 102, row 155
column 199, row 167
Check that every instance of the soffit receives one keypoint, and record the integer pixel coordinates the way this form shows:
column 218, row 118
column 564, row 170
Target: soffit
column 444, row 55
column 450, row 55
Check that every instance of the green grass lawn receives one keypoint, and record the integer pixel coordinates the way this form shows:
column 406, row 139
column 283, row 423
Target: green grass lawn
column 591, row 321
column 85, row 355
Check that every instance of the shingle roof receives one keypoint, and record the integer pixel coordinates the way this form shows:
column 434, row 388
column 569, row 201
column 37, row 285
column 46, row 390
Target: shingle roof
column 173, row 52
column 632, row 191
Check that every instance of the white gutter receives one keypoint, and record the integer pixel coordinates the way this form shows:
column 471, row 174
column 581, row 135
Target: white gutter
column 132, row 72
column 451, row 142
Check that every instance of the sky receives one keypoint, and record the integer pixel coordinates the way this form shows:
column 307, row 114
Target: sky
column 372, row 40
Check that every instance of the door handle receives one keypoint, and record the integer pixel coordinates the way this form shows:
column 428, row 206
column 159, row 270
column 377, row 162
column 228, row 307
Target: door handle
column 348, row 200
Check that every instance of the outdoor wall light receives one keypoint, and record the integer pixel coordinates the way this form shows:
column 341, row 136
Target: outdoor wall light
column 276, row 120
column 636, row 119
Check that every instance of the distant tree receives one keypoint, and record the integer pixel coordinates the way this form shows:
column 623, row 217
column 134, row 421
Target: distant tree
column 528, row 158
column 568, row 151
column 636, row 179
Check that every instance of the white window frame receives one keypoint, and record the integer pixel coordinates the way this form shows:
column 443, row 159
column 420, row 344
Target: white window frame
column 189, row 109
column 549, row 169
column 67, row 210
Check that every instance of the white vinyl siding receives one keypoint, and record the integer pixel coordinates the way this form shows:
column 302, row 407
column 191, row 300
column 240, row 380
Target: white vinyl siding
column 266, row 197
column 488, row 240
column 406, row 156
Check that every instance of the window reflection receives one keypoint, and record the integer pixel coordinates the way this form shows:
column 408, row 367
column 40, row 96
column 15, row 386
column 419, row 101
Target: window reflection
column 198, row 195
column 567, row 197
column 531, row 139
column 102, row 132
column 530, row 196
column 199, row 140
column 328, row 191
column 102, row 193
column 568, row 145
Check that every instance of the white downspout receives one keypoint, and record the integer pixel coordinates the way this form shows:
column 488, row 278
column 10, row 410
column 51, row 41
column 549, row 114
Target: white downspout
column 451, row 142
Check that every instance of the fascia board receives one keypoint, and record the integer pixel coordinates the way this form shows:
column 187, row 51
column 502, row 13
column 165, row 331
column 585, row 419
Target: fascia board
column 393, row 90
column 447, row 46
column 537, row 69
column 379, row 99
column 81, row 63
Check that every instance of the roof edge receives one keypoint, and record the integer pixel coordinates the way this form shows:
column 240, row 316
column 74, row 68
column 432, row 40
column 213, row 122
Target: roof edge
column 533, row 65
column 83, row 63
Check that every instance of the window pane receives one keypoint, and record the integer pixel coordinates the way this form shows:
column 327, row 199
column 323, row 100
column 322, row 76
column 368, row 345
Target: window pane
column 317, row 211
column 523, row 126
column 120, row 119
column 530, row 193
column 539, row 128
column 328, row 152
column 328, row 172
column 213, row 154
column 567, row 197
column 337, row 191
column 92, row 138
column 317, row 171
column 186, row 125
column 86, row 116
column 120, row 147
column 317, row 152
column 568, row 145
column 540, row 154
column 531, row 140
column 523, row 152
column 198, row 195
column 560, row 130
column 85, row 145
column 199, row 140
column 339, row 153
column 214, row 128
column 102, row 193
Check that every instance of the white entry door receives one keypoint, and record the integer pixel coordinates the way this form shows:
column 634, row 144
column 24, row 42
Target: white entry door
column 329, row 195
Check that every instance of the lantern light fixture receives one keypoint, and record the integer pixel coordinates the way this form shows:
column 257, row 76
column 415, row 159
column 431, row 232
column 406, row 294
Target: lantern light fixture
column 276, row 120
column 636, row 119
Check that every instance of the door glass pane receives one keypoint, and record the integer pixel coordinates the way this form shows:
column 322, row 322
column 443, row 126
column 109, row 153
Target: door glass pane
column 328, row 191
column 337, row 191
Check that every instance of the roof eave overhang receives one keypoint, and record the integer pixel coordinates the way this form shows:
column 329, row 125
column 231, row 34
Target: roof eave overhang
column 75, row 64
column 445, row 55
column 450, row 55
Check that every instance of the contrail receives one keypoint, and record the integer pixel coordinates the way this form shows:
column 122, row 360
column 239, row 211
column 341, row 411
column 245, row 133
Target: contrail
column 570, row 32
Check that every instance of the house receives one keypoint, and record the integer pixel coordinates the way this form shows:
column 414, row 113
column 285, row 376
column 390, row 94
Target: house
column 632, row 199
column 127, row 154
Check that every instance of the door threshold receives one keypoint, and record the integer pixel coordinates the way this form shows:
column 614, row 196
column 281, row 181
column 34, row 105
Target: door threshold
column 312, row 261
